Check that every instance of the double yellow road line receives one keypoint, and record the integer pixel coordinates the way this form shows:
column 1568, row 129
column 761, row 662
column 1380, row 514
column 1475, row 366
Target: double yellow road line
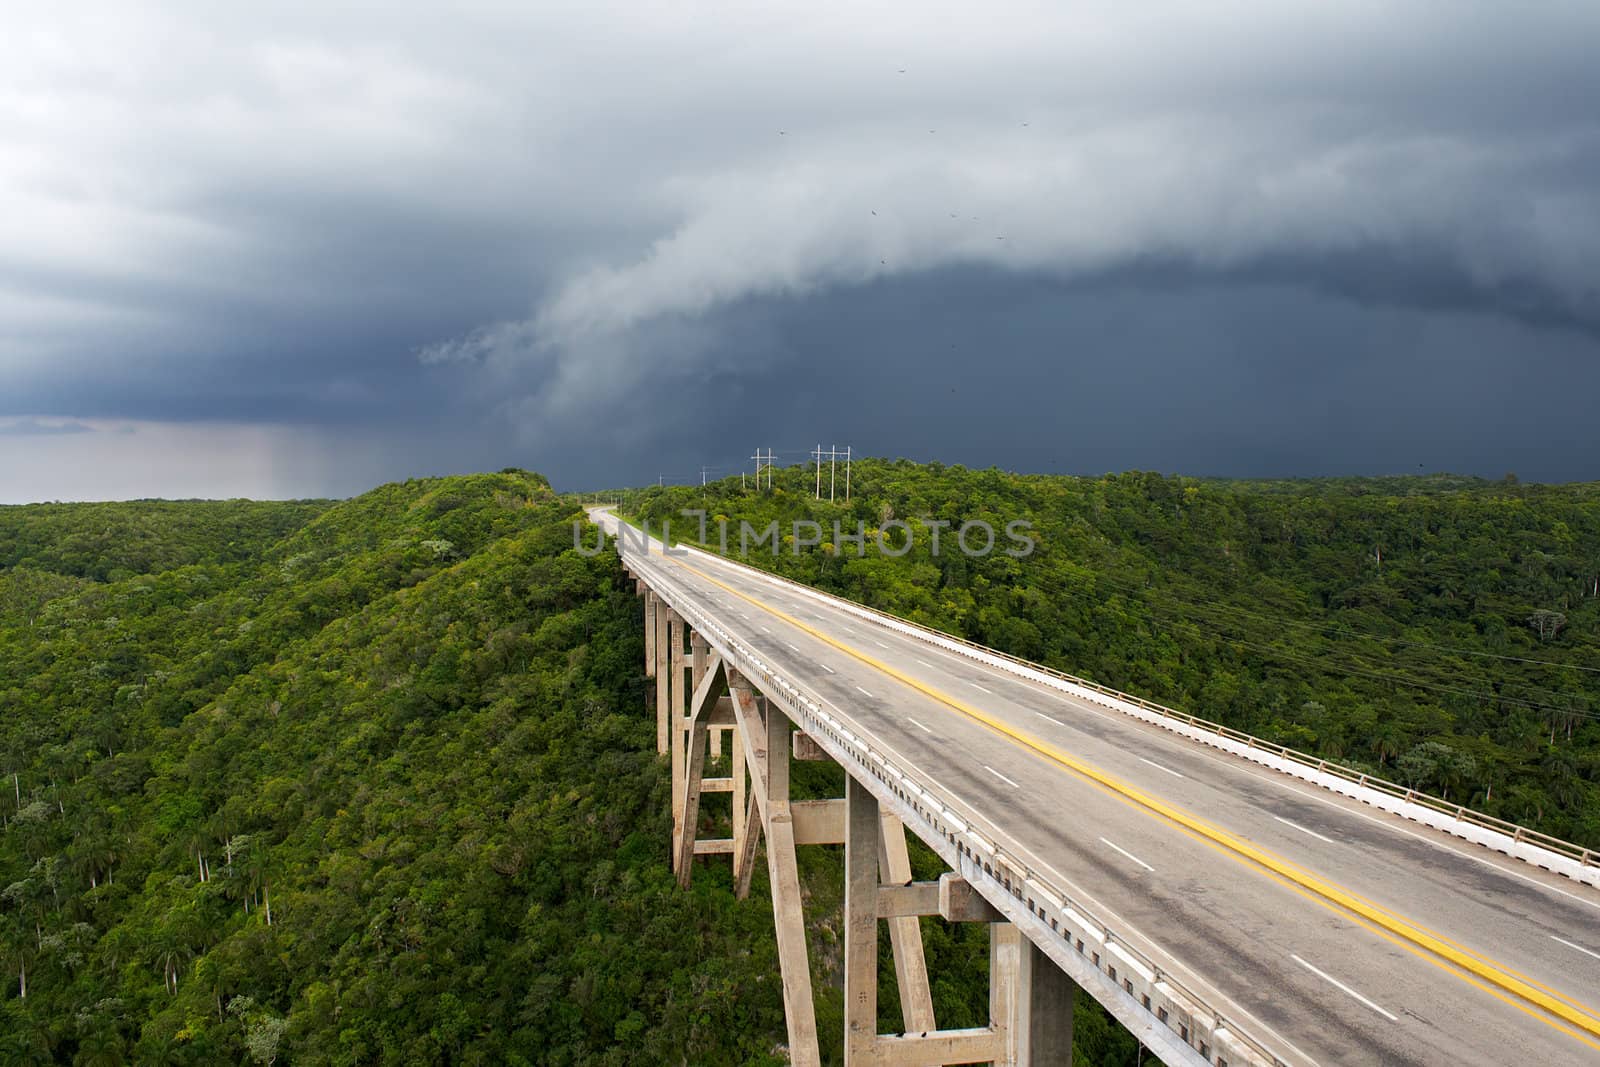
column 1579, row 1020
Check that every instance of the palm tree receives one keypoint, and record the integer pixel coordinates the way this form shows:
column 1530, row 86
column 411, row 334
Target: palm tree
column 101, row 1047
column 1387, row 742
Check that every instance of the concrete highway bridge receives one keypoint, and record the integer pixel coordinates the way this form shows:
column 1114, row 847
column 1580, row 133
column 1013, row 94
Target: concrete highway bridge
column 1230, row 902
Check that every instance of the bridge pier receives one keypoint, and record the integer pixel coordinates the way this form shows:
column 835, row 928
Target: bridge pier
column 698, row 697
column 1030, row 999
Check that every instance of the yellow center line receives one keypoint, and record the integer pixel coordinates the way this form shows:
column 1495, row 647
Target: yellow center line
column 1480, row 966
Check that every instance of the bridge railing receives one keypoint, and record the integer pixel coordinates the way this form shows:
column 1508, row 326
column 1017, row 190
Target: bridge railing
column 969, row 842
column 1460, row 812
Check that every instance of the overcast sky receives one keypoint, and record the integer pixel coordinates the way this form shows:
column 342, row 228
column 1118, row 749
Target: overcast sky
column 280, row 250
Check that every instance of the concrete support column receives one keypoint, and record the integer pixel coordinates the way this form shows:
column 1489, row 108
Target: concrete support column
column 679, row 663
column 768, row 742
column 861, row 835
column 740, row 826
column 1030, row 1000
column 1045, row 1000
column 680, row 761
column 678, row 667
column 905, row 933
column 698, row 648
column 697, row 667
column 676, row 671
column 777, row 751
column 649, row 633
column 663, row 677
column 1005, row 967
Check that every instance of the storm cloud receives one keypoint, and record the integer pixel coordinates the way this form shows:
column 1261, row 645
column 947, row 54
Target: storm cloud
column 604, row 239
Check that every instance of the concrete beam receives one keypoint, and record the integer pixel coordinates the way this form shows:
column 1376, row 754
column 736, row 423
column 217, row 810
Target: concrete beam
column 807, row 750
column 960, row 903
column 715, row 846
column 918, row 898
column 981, row 1045
column 716, row 785
column 818, row 822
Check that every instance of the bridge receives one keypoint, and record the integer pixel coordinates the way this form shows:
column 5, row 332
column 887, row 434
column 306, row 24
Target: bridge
column 1229, row 901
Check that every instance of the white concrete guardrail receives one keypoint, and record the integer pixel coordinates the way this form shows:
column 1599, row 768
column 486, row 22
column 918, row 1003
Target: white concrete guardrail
column 1171, row 1018
column 1541, row 850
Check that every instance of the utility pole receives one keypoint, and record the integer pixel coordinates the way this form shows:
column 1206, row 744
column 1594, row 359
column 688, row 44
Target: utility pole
column 759, row 458
column 703, row 476
column 833, row 465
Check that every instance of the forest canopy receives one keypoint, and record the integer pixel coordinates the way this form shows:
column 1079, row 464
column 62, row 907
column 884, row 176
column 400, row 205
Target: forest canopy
column 1439, row 631
column 374, row 781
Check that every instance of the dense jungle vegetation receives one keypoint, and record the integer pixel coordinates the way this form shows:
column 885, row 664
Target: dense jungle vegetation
column 374, row 781
column 369, row 782
column 1441, row 631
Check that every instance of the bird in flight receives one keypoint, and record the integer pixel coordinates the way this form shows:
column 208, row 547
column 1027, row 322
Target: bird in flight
column 874, row 212
column 902, row 70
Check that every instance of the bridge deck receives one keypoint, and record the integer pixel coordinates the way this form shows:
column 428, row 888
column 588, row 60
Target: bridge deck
column 1328, row 985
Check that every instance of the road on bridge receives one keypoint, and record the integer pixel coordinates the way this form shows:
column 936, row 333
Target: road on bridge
column 1320, row 981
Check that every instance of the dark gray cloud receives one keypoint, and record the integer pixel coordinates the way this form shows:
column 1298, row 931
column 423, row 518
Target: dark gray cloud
column 1200, row 377
column 358, row 244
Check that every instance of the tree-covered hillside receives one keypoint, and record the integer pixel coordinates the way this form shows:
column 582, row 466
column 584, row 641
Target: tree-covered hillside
column 376, row 788
column 1443, row 632
column 112, row 541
